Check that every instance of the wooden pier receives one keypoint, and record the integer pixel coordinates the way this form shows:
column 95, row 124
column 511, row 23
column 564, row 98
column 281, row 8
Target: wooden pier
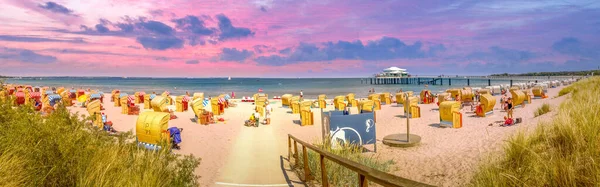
column 467, row 79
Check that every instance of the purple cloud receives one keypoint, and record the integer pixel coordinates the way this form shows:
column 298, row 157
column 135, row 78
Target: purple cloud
column 36, row 39
column 160, row 42
column 228, row 31
column 56, row 8
column 386, row 48
column 25, row 55
column 232, row 54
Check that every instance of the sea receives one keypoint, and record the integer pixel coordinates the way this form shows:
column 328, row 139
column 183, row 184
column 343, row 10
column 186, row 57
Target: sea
column 311, row 87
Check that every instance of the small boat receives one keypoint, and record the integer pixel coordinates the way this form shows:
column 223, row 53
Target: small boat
column 229, row 78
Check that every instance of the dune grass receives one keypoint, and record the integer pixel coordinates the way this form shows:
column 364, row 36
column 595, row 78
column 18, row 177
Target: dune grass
column 337, row 174
column 62, row 150
column 561, row 152
column 545, row 108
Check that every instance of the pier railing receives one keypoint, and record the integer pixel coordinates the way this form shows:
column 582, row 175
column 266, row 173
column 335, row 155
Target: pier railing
column 365, row 174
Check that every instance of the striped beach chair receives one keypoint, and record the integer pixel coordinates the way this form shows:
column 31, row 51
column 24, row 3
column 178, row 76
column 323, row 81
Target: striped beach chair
column 95, row 96
column 205, row 102
column 54, row 98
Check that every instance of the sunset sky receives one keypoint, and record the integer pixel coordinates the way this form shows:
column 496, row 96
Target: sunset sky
column 295, row 38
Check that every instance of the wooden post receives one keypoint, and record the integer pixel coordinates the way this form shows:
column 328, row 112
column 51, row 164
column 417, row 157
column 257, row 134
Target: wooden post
column 324, row 181
column 306, row 169
column 362, row 181
column 296, row 153
column 289, row 147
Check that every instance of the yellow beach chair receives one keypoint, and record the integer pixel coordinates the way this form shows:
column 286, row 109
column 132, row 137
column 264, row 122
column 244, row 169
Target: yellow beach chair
column 450, row 114
column 376, row 98
column 486, row 106
column 306, row 114
column 339, row 103
column 151, row 129
column 93, row 109
column 351, row 99
column 285, row 99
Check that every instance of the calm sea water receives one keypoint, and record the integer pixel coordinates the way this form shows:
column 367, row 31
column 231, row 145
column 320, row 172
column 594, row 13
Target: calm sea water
column 241, row 86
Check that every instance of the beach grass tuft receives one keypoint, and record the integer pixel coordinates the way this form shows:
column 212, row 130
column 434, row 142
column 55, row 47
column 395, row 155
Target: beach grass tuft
column 62, row 150
column 339, row 175
column 560, row 152
column 545, row 108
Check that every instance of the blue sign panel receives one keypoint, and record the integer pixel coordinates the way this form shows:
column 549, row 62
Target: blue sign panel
column 336, row 113
column 358, row 129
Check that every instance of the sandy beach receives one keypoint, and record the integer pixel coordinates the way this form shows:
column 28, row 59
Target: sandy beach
column 235, row 155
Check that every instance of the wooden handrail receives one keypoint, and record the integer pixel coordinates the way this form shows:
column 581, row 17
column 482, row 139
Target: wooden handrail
column 365, row 173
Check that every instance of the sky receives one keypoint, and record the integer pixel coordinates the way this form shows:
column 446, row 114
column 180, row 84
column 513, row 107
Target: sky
column 296, row 38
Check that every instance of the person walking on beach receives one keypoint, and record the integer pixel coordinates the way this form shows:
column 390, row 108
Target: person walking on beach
column 268, row 111
column 301, row 94
column 503, row 102
column 510, row 108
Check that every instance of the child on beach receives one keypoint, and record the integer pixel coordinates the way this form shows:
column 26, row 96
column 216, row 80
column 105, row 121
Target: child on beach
column 507, row 122
column 107, row 126
column 250, row 122
column 256, row 117
column 268, row 111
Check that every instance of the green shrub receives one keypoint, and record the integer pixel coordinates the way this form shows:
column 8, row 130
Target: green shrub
column 337, row 174
column 561, row 152
column 62, row 150
column 545, row 108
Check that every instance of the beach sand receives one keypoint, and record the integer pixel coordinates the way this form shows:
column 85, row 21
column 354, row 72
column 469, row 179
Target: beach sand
column 235, row 155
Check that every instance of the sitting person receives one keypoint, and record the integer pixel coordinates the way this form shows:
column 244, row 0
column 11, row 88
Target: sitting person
column 173, row 116
column 507, row 122
column 38, row 105
column 175, row 134
column 108, row 126
column 250, row 122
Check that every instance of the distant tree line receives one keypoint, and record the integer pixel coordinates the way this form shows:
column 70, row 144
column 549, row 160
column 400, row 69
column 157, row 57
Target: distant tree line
column 561, row 73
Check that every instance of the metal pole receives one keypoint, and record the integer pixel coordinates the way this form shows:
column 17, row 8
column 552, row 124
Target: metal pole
column 406, row 102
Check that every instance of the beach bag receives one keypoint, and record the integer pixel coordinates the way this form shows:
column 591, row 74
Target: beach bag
column 519, row 120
